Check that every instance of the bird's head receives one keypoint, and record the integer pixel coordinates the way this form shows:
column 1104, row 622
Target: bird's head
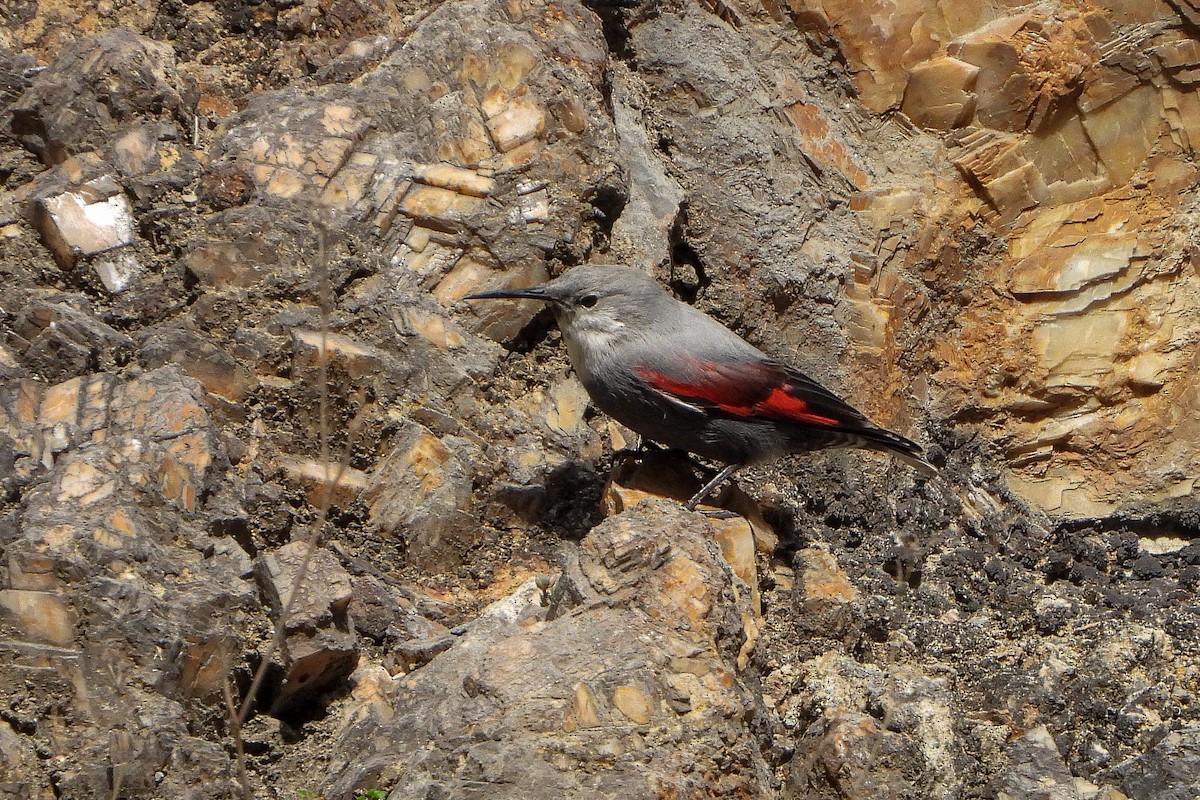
column 595, row 302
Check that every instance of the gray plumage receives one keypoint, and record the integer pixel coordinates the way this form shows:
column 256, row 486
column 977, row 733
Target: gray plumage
column 684, row 380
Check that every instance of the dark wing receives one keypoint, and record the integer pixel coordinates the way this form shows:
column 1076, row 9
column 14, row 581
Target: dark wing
column 754, row 389
column 768, row 390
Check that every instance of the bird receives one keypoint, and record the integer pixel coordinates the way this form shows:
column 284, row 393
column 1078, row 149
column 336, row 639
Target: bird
column 680, row 378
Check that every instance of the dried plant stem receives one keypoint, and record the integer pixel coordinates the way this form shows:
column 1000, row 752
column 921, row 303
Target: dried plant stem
column 240, row 714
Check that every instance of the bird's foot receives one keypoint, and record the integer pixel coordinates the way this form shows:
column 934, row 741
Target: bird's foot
column 644, row 447
column 719, row 513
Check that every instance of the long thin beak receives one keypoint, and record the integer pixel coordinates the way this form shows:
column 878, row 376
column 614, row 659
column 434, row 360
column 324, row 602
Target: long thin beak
column 532, row 293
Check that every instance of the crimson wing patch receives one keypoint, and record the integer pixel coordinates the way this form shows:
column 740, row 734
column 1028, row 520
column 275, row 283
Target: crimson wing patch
column 755, row 389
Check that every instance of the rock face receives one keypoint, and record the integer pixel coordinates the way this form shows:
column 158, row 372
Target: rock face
column 1071, row 133
column 565, row 698
column 248, row 426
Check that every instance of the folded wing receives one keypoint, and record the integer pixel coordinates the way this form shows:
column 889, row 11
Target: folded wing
column 768, row 390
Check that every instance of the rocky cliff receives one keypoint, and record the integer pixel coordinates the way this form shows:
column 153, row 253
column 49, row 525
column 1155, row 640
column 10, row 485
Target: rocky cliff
column 248, row 426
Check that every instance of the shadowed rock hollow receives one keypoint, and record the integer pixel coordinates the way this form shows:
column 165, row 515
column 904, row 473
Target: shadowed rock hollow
column 230, row 232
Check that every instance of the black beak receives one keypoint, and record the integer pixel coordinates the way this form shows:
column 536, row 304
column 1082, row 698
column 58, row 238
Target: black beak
column 532, row 293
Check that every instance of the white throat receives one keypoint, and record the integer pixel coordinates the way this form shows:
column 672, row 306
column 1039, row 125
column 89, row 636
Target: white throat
column 591, row 340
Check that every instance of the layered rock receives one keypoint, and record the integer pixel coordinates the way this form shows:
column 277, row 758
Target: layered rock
column 565, row 699
column 112, row 472
column 246, row 422
column 1055, row 114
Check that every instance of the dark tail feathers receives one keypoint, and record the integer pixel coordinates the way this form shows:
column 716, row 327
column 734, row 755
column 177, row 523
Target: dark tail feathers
column 906, row 450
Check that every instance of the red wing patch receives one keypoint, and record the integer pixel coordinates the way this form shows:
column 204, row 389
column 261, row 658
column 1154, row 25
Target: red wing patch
column 726, row 397
column 752, row 390
column 782, row 403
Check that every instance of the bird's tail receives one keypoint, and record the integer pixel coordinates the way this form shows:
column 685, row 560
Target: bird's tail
column 906, row 450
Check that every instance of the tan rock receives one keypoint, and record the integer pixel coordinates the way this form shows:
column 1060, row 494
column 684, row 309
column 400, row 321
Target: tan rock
column 436, row 258
column 347, row 189
column 822, row 145
column 1028, row 63
column 653, row 474
column 317, row 586
column 163, row 404
column 422, row 492
column 686, row 594
column 568, row 403
column 500, row 321
column 1181, row 110
column 1066, row 159
column 438, row 208
column 76, row 411
column 433, row 328
column 205, row 667
column 1067, row 269
column 456, row 179
column 824, row 581
column 1178, row 57
column 316, row 146
column 41, row 616
column 91, row 219
column 326, row 484
column 226, row 264
column 585, row 709
column 463, row 138
column 217, row 370
column 356, row 358
column 1086, row 346
column 634, row 703
column 32, row 571
column 665, row 475
column 1112, row 77
column 535, row 206
column 1124, row 131
column 1017, row 190
column 136, row 150
column 737, row 540
column 82, row 483
column 372, row 687
column 642, row 642
column 882, row 41
column 997, row 164
column 939, row 93
column 1149, row 371
column 153, row 428
column 512, row 121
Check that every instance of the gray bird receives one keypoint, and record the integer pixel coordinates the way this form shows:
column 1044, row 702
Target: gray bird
column 680, row 378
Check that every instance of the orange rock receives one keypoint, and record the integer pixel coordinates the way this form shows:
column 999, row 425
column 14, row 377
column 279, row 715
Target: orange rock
column 41, row 616
column 334, row 484
column 634, row 703
column 940, row 93
column 821, row 145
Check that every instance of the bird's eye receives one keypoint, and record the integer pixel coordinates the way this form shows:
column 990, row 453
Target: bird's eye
column 588, row 300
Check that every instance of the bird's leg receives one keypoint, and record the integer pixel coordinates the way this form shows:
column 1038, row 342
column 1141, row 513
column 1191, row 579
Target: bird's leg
column 690, row 505
column 644, row 446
